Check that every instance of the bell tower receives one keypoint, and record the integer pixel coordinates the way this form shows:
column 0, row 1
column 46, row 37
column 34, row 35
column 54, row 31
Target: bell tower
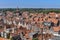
column 17, row 9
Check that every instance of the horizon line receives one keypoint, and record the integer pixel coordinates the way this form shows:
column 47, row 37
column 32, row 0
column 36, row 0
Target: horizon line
column 33, row 8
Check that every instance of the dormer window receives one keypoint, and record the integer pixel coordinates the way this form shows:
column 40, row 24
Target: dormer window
column 0, row 27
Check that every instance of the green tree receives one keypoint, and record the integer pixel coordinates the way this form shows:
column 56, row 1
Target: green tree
column 35, row 38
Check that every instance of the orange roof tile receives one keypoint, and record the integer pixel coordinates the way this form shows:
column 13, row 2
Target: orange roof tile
column 4, row 39
column 26, row 35
column 54, row 20
column 56, row 29
column 49, row 20
column 52, row 14
column 1, row 30
column 36, row 18
column 41, row 26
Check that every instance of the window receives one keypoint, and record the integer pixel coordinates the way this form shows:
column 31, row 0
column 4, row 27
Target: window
column 47, row 23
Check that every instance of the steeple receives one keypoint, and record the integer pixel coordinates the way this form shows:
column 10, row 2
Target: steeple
column 17, row 9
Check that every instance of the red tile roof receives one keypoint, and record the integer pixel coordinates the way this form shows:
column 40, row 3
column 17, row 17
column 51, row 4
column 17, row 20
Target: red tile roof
column 56, row 29
column 4, row 39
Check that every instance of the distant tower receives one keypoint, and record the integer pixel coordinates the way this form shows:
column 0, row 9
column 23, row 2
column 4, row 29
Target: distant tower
column 17, row 9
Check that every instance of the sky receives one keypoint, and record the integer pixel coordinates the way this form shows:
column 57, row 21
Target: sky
column 30, row 3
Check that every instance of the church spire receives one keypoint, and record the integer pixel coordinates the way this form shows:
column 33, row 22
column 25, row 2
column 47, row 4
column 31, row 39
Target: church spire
column 17, row 9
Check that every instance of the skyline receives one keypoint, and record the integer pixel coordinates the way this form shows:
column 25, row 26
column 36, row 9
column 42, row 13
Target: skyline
column 30, row 3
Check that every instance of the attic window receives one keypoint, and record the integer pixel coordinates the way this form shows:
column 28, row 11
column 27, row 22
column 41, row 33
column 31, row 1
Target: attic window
column 56, row 17
column 24, row 18
column 49, row 17
column 23, row 33
column 8, row 26
column 27, row 38
column 30, row 16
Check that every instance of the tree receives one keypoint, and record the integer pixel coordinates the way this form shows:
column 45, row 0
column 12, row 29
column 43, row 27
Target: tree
column 35, row 39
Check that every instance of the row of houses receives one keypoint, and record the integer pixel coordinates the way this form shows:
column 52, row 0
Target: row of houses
column 27, row 26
